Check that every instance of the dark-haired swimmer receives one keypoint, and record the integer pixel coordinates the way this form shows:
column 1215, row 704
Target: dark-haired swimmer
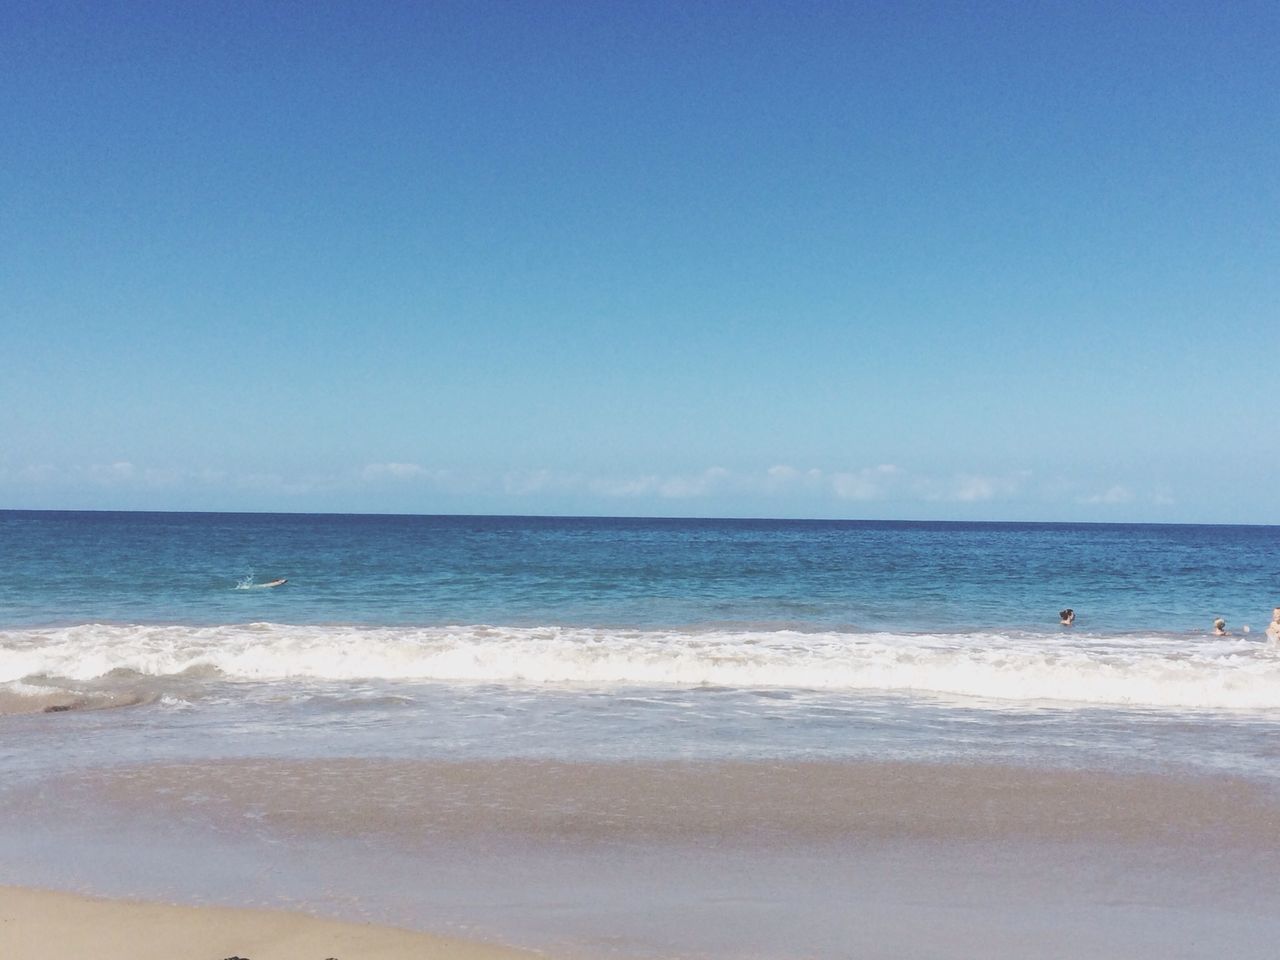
column 1066, row 617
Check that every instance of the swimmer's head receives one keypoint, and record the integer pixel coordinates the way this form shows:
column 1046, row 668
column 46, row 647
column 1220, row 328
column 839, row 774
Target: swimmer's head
column 1219, row 624
column 1066, row 616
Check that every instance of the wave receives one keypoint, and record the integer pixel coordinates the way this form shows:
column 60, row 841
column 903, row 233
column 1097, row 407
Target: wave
column 1139, row 671
column 20, row 697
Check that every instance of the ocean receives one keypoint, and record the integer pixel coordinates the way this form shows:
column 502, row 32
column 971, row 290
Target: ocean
column 155, row 694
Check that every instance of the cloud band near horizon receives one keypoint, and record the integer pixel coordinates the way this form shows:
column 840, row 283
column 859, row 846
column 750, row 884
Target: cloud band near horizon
column 786, row 486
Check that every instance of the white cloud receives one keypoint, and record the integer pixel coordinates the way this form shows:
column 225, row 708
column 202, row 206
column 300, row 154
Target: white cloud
column 275, row 483
column 163, row 476
column 782, row 486
column 782, row 473
column 524, row 482
column 624, row 487
column 118, row 472
column 879, row 482
column 396, row 471
column 783, row 477
column 34, row 473
column 869, row 483
column 970, row 487
column 121, row 473
column 672, row 487
column 1115, row 494
column 680, row 488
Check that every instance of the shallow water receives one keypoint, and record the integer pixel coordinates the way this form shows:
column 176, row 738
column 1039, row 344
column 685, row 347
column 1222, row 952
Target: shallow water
column 714, row 860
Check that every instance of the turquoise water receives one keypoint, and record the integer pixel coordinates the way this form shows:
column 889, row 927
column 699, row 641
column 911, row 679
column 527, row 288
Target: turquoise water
column 599, row 638
column 68, row 568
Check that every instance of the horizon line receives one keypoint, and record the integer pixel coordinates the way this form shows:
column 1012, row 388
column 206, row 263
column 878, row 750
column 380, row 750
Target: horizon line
column 664, row 518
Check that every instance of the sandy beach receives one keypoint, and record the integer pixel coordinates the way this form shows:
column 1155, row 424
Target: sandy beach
column 44, row 925
column 649, row 860
column 420, row 804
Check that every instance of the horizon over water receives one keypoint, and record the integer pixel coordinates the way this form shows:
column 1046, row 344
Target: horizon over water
column 731, row 518
column 522, row 693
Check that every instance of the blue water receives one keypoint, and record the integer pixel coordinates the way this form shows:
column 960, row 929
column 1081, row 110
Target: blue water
column 132, row 641
column 612, row 638
column 62, row 568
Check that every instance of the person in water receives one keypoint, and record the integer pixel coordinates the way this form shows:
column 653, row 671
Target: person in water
column 276, row 583
column 1220, row 628
column 1273, row 628
column 1066, row 617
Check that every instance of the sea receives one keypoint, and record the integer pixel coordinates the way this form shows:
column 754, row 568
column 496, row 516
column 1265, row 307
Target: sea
column 141, row 651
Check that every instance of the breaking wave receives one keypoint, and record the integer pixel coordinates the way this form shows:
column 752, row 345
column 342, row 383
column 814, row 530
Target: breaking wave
column 1140, row 671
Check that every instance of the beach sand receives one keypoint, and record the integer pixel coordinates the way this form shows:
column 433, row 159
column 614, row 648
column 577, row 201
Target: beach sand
column 911, row 861
column 43, row 925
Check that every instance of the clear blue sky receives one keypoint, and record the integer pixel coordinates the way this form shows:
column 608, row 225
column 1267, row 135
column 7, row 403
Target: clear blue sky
column 986, row 260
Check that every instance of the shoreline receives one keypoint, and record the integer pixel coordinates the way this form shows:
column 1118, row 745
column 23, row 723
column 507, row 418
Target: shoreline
column 38, row 924
column 750, row 802
column 640, row 861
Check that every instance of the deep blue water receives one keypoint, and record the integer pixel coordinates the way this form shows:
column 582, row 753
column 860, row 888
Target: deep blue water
column 59, row 568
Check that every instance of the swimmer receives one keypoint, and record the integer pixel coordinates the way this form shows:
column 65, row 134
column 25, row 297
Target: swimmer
column 1273, row 628
column 1066, row 617
column 1220, row 628
column 276, row 583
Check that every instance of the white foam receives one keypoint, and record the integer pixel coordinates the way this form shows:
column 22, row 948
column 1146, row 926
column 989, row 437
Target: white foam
column 19, row 689
column 1147, row 671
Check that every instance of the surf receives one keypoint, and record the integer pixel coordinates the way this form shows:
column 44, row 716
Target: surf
column 1141, row 670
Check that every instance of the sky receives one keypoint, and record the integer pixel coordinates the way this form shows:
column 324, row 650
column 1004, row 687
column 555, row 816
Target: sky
column 994, row 261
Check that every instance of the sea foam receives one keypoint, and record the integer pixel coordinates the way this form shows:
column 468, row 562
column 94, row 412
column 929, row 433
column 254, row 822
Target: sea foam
column 1139, row 671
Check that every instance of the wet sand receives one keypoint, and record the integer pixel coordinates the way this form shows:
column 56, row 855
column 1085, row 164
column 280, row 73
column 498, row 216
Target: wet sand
column 657, row 860
column 43, row 925
column 726, row 802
